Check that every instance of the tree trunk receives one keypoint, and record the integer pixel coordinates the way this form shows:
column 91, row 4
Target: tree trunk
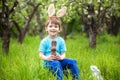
column 92, row 32
column 85, row 23
column 27, row 24
column 64, row 31
column 19, row 30
column 113, row 25
column 6, row 37
column 6, row 25
column 39, row 24
column 92, row 39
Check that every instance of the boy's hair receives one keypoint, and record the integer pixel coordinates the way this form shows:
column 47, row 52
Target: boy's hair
column 54, row 20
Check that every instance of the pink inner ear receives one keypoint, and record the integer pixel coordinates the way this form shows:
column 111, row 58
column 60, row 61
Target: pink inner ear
column 51, row 10
column 61, row 12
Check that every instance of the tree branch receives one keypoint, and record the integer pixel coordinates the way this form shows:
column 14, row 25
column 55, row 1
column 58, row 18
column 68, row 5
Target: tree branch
column 12, row 9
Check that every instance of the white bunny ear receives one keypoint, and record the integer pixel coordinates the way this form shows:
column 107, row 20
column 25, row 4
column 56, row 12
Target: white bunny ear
column 61, row 12
column 51, row 10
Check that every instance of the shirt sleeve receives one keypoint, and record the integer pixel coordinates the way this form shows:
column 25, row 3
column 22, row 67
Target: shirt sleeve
column 63, row 46
column 42, row 46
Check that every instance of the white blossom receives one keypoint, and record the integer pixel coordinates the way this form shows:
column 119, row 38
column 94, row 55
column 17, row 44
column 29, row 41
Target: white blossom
column 99, row 1
column 89, row 16
column 101, row 8
column 90, row 1
column 96, row 12
column 85, row 11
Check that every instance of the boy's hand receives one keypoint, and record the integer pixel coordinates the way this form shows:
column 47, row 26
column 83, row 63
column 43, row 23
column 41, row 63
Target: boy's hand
column 59, row 57
column 51, row 57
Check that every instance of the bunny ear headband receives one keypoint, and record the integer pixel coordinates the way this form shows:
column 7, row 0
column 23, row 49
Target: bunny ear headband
column 60, row 13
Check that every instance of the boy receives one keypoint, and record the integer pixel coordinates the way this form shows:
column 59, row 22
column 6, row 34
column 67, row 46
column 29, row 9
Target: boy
column 56, row 63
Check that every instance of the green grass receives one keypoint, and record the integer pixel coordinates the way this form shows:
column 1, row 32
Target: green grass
column 23, row 62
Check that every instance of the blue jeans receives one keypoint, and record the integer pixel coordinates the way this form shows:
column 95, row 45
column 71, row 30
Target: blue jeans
column 58, row 66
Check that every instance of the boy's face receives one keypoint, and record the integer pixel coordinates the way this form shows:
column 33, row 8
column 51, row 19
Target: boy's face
column 52, row 29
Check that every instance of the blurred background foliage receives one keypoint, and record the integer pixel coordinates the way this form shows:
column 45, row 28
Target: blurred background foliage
column 75, row 11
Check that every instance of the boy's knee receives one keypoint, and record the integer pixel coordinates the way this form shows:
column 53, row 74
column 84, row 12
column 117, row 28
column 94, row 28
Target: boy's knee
column 73, row 61
column 56, row 63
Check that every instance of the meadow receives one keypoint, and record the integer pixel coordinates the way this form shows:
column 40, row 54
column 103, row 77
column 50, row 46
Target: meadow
column 23, row 62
